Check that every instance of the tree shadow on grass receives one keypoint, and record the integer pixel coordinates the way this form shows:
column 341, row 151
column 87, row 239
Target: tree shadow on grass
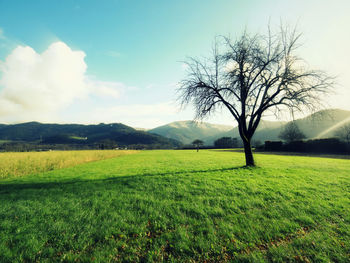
column 10, row 187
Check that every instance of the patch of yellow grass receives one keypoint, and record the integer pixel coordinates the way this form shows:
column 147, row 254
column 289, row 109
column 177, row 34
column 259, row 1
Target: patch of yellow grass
column 14, row 164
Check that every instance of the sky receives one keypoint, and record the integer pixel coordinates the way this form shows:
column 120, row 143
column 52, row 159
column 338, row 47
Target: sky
column 71, row 61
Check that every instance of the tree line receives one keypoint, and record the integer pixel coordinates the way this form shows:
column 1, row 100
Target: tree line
column 292, row 140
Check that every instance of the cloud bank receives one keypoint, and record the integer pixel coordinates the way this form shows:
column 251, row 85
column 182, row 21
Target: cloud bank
column 35, row 86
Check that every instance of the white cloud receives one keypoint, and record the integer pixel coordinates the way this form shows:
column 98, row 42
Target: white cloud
column 136, row 115
column 34, row 86
column 48, row 81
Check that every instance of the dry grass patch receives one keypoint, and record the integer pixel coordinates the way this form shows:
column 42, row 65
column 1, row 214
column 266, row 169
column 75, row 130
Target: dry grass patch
column 15, row 164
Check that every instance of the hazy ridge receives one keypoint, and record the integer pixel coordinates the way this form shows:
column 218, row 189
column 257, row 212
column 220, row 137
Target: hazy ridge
column 321, row 124
column 316, row 125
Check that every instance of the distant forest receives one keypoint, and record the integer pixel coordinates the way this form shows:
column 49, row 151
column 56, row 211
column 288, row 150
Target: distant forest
column 37, row 136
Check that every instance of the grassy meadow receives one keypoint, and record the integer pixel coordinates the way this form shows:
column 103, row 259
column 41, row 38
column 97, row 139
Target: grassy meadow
column 15, row 164
column 178, row 206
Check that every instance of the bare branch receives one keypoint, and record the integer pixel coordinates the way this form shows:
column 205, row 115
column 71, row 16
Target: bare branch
column 251, row 75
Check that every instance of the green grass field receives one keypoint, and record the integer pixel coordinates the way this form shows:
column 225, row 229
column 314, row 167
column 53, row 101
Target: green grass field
column 179, row 206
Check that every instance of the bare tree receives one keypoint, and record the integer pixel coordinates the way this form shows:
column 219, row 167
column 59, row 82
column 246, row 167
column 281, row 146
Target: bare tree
column 197, row 143
column 291, row 132
column 250, row 76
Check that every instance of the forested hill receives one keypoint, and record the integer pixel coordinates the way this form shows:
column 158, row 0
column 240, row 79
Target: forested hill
column 322, row 124
column 81, row 134
column 187, row 131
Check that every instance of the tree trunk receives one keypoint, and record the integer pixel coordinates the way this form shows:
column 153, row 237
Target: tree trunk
column 249, row 159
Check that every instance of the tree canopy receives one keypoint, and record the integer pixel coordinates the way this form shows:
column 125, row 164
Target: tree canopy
column 226, row 142
column 197, row 143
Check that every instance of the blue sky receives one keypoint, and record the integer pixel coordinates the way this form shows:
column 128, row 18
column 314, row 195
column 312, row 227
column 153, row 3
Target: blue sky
column 127, row 54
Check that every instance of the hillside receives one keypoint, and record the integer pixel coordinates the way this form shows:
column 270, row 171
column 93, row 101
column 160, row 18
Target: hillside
column 324, row 123
column 188, row 131
column 321, row 124
column 81, row 134
column 267, row 130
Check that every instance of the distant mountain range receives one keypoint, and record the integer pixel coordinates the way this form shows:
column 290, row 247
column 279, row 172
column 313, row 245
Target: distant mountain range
column 321, row 124
column 187, row 131
column 122, row 135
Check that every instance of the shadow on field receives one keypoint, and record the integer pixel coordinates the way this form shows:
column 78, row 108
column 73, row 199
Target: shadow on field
column 321, row 155
column 7, row 188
